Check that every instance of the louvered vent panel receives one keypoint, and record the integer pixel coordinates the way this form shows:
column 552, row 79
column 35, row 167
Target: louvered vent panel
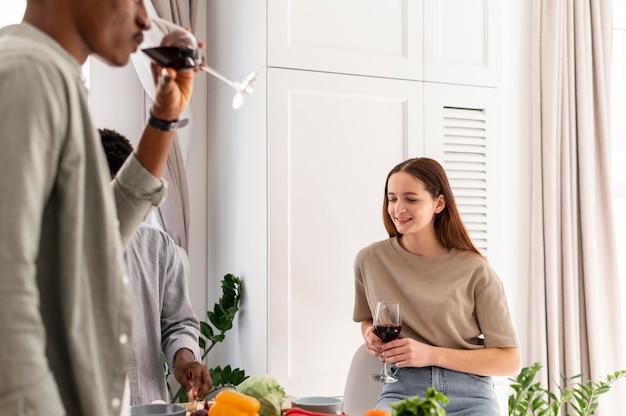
column 465, row 162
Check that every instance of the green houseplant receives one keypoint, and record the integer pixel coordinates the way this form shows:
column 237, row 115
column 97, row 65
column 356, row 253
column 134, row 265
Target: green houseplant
column 213, row 331
column 531, row 398
column 432, row 404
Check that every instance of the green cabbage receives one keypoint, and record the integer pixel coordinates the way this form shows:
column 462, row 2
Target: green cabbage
column 266, row 389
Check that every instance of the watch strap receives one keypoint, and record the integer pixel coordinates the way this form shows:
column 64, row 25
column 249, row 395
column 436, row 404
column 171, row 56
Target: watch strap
column 164, row 125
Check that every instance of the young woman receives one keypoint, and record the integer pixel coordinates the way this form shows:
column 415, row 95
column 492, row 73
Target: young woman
column 456, row 327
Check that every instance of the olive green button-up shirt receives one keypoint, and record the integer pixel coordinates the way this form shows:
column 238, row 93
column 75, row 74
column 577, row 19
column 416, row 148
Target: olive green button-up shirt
column 65, row 313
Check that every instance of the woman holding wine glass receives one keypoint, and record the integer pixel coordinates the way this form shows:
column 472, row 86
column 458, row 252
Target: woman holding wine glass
column 456, row 327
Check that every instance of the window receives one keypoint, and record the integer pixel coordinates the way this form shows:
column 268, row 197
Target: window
column 618, row 143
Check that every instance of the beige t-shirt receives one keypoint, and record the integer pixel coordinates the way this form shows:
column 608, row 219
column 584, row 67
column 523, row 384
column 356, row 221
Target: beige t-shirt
column 448, row 301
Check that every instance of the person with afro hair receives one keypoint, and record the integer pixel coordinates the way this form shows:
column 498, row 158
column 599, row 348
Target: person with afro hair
column 163, row 319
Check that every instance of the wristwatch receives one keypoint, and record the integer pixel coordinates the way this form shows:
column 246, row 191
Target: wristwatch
column 164, row 125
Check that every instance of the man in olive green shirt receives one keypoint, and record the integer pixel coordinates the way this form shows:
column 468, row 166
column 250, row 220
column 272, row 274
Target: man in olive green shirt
column 65, row 314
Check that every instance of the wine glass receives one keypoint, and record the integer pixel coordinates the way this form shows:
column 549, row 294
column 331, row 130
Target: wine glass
column 387, row 326
column 184, row 55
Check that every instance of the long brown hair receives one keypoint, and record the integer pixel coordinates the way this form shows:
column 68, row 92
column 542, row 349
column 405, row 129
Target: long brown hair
column 449, row 227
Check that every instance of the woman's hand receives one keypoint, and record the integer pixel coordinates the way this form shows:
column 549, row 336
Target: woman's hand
column 372, row 341
column 407, row 352
column 404, row 352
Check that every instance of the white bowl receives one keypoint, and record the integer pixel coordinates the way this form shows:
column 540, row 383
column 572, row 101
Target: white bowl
column 319, row 404
column 158, row 409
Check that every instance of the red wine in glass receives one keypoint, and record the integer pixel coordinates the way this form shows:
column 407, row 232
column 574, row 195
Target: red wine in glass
column 387, row 326
column 180, row 59
column 387, row 332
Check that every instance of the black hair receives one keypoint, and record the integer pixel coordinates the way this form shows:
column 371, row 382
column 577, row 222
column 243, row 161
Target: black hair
column 116, row 147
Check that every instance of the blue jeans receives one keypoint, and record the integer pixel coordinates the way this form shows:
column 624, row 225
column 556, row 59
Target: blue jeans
column 469, row 394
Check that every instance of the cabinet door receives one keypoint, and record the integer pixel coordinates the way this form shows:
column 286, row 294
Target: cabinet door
column 462, row 42
column 332, row 140
column 463, row 131
column 365, row 37
column 462, row 125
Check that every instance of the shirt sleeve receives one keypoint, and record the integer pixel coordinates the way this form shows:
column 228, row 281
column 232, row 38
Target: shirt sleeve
column 136, row 192
column 362, row 311
column 493, row 316
column 180, row 327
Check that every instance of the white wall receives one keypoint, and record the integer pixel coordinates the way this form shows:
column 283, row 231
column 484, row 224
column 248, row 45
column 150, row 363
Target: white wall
column 116, row 103
column 510, row 252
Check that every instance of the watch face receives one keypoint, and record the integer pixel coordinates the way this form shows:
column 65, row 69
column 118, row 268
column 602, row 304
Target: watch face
column 180, row 59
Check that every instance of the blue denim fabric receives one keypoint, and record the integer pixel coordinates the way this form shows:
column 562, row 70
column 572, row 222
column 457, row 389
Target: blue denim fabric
column 469, row 394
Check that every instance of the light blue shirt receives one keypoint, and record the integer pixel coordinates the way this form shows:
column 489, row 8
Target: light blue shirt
column 163, row 319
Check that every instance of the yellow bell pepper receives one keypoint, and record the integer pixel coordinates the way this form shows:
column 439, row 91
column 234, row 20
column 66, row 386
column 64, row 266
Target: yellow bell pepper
column 233, row 403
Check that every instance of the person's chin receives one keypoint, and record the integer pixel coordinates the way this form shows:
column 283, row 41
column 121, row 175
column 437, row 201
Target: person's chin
column 115, row 60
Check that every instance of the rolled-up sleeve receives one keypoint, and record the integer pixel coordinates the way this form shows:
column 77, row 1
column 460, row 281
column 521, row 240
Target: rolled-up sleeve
column 137, row 192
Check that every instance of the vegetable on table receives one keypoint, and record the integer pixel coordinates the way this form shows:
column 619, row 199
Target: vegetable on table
column 204, row 411
column 264, row 388
column 414, row 406
column 233, row 403
column 296, row 411
column 376, row 412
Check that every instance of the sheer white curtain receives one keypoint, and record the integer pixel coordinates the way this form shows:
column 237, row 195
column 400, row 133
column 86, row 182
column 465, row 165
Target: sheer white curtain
column 574, row 322
column 173, row 214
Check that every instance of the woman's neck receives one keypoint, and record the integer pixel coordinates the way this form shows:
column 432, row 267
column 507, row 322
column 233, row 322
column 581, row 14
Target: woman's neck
column 423, row 246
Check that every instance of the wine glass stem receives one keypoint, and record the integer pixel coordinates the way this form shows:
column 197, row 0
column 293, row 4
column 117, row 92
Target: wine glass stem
column 219, row 76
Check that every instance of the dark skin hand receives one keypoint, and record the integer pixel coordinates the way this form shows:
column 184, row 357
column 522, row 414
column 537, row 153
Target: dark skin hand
column 191, row 375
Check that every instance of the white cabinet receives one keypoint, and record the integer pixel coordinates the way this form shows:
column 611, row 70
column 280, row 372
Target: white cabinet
column 365, row 37
column 462, row 130
column 296, row 176
column 333, row 139
column 448, row 41
column 462, row 42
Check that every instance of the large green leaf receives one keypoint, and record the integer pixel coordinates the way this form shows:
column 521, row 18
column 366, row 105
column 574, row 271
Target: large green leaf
column 212, row 331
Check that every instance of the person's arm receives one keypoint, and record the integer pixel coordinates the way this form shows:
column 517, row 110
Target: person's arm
column 191, row 375
column 180, row 328
column 405, row 352
column 173, row 94
column 139, row 188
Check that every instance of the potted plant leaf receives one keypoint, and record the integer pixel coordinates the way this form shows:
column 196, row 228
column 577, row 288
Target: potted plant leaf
column 213, row 331
column 431, row 405
column 581, row 397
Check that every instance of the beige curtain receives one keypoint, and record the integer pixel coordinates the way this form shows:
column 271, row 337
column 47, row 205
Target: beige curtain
column 173, row 214
column 181, row 12
column 574, row 321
